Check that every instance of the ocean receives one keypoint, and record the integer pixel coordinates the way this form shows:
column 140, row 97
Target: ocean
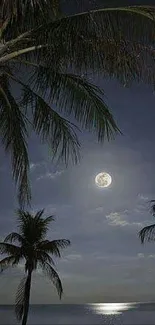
column 105, row 314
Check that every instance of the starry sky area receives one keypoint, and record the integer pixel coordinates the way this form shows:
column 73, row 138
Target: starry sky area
column 106, row 262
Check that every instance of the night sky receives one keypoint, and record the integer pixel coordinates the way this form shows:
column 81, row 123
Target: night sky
column 106, row 261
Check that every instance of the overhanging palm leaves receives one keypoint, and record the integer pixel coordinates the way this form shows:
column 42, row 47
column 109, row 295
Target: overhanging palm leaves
column 55, row 54
column 13, row 132
column 36, row 251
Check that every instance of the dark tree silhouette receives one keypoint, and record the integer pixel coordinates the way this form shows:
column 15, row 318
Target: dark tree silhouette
column 35, row 250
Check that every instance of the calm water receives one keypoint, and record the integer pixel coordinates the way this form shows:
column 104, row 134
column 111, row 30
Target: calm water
column 109, row 314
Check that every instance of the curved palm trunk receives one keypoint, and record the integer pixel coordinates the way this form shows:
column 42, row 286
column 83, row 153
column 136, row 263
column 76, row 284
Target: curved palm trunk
column 27, row 298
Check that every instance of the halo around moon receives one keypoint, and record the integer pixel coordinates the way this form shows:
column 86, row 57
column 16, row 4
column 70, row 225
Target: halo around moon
column 103, row 180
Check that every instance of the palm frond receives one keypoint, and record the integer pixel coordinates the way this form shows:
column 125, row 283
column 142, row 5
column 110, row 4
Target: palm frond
column 48, row 219
column 115, row 41
column 20, row 299
column 77, row 97
column 43, row 223
column 13, row 134
column 39, row 215
column 53, row 128
column 28, row 14
column 111, row 37
column 22, row 218
column 147, row 233
column 6, row 248
column 54, row 246
column 8, row 261
column 147, row 11
column 53, row 276
column 33, row 228
column 43, row 257
column 13, row 237
column 61, row 243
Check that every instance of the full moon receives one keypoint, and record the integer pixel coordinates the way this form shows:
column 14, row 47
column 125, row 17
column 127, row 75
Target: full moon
column 103, row 179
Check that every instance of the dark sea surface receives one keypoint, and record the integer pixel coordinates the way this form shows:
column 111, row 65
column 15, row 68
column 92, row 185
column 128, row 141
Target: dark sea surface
column 109, row 314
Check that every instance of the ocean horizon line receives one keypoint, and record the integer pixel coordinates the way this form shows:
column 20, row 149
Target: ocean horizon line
column 86, row 303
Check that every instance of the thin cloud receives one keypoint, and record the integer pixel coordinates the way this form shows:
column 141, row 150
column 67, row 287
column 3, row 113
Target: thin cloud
column 140, row 255
column 34, row 166
column 120, row 219
column 143, row 197
column 115, row 219
column 71, row 258
column 74, row 257
column 151, row 256
column 99, row 209
column 49, row 175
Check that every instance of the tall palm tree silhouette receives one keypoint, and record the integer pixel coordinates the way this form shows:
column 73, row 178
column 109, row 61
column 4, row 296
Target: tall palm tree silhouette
column 36, row 251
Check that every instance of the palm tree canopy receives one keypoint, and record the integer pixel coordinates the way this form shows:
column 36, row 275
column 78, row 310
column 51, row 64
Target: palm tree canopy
column 34, row 249
column 49, row 57
column 148, row 232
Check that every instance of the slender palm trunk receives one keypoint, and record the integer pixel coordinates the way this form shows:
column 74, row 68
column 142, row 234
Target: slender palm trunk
column 27, row 298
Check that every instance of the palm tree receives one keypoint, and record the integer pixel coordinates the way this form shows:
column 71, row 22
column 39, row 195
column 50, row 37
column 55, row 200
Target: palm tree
column 148, row 232
column 35, row 250
column 47, row 62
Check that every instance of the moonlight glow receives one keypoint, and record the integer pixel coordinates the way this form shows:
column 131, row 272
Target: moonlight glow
column 103, row 180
